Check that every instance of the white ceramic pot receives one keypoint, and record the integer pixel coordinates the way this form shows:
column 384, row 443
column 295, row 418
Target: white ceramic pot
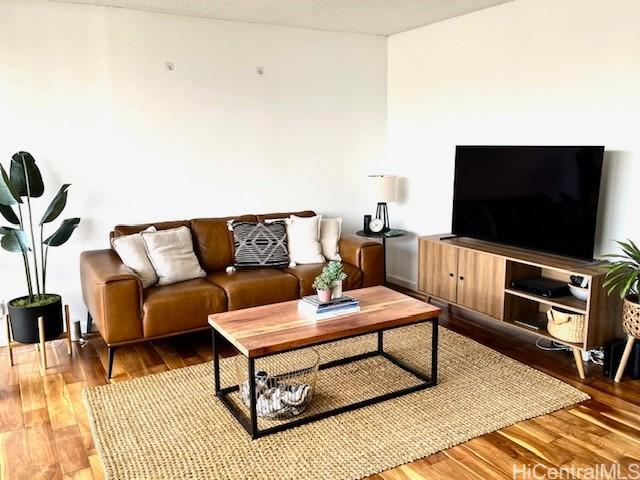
column 337, row 289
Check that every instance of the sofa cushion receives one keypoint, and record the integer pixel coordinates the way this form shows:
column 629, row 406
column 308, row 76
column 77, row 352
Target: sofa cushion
column 213, row 241
column 307, row 273
column 180, row 307
column 260, row 286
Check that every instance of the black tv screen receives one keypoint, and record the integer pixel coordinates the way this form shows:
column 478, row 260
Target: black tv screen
column 542, row 198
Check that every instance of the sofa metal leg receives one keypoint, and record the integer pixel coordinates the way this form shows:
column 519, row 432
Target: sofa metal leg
column 89, row 322
column 111, row 351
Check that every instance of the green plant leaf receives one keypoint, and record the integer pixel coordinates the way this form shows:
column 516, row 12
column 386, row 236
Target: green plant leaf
column 614, row 276
column 19, row 178
column 7, row 212
column 63, row 233
column 623, row 268
column 13, row 240
column 56, row 206
column 628, row 250
column 615, row 255
column 628, row 285
column 8, row 192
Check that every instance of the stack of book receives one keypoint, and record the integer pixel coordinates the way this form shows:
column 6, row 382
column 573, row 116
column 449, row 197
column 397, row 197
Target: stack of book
column 336, row 306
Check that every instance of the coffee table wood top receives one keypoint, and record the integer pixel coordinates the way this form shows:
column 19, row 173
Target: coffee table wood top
column 269, row 329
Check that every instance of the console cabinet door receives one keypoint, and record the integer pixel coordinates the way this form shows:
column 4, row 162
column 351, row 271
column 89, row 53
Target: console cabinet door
column 438, row 270
column 481, row 280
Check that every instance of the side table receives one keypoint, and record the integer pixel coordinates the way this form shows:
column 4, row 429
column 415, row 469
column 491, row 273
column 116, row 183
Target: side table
column 392, row 233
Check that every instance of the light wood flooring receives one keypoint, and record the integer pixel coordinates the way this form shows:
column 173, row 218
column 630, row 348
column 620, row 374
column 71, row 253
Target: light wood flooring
column 44, row 431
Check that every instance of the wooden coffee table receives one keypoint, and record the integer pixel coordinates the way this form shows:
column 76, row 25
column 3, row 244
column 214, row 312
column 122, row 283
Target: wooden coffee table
column 271, row 329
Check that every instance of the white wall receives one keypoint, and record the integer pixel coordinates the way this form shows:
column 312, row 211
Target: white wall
column 85, row 90
column 538, row 72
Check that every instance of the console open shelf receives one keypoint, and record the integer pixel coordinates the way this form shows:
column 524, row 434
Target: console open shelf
column 569, row 302
column 540, row 316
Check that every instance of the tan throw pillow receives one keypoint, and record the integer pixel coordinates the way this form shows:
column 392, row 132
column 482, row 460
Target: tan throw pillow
column 303, row 236
column 133, row 253
column 171, row 254
column 330, row 231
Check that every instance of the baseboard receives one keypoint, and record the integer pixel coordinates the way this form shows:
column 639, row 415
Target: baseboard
column 402, row 281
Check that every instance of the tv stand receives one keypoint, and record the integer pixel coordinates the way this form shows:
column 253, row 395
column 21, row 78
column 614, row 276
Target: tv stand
column 476, row 276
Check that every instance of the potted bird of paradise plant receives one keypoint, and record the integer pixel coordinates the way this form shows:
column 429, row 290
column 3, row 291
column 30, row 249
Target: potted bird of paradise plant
column 624, row 276
column 17, row 189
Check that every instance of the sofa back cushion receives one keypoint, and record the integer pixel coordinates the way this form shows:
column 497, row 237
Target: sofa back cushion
column 120, row 230
column 271, row 216
column 213, row 242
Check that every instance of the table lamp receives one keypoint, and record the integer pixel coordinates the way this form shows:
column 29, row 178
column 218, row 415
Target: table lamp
column 385, row 189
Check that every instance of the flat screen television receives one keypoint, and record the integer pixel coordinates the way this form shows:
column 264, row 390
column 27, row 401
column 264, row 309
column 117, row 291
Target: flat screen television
column 542, row 198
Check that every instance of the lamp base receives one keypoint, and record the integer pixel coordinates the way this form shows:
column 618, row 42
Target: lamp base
column 382, row 213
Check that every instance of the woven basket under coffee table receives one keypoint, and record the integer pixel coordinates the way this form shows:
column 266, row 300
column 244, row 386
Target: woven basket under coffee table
column 269, row 331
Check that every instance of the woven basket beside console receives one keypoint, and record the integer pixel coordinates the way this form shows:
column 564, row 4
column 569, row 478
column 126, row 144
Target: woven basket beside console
column 631, row 318
column 565, row 325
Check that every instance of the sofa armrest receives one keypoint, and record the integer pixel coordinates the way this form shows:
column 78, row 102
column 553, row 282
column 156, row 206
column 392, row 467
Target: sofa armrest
column 112, row 293
column 366, row 255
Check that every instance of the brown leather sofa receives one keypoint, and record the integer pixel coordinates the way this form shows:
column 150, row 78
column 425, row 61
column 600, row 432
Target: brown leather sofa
column 124, row 312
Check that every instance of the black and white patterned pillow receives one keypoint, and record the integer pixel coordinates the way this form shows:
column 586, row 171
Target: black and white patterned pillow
column 260, row 244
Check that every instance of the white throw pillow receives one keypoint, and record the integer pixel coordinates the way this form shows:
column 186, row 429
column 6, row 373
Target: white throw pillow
column 303, row 237
column 133, row 253
column 330, row 231
column 171, row 254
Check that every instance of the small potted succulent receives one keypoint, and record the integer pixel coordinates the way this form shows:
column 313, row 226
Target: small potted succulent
column 323, row 284
column 336, row 273
column 623, row 276
column 17, row 189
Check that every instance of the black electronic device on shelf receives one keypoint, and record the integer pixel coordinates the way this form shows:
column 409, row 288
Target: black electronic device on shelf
column 545, row 287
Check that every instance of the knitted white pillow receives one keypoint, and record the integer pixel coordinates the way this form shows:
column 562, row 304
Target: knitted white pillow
column 303, row 237
column 132, row 252
column 172, row 256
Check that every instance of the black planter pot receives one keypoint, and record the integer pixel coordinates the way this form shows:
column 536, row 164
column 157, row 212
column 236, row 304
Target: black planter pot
column 24, row 321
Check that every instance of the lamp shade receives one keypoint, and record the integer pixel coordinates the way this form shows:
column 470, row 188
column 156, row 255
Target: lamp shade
column 384, row 188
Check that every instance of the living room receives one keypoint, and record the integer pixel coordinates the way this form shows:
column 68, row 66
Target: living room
column 157, row 112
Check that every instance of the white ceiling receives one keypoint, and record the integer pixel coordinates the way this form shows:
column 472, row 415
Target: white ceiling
column 377, row 17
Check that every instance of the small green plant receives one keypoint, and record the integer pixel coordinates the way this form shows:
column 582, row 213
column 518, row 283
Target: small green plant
column 335, row 272
column 23, row 184
column 323, row 282
column 624, row 271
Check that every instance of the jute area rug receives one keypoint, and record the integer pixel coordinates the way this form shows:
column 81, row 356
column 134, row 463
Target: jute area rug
column 171, row 426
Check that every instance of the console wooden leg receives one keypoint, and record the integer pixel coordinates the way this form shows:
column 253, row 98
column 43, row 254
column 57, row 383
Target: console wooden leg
column 43, row 347
column 625, row 358
column 6, row 332
column 67, row 320
column 577, row 356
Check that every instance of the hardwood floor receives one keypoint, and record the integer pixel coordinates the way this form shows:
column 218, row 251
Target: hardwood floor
column 44, row 430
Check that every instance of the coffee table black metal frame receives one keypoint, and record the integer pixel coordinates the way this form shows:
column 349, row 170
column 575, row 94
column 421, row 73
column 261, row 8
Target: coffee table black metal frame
column 250, row 423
